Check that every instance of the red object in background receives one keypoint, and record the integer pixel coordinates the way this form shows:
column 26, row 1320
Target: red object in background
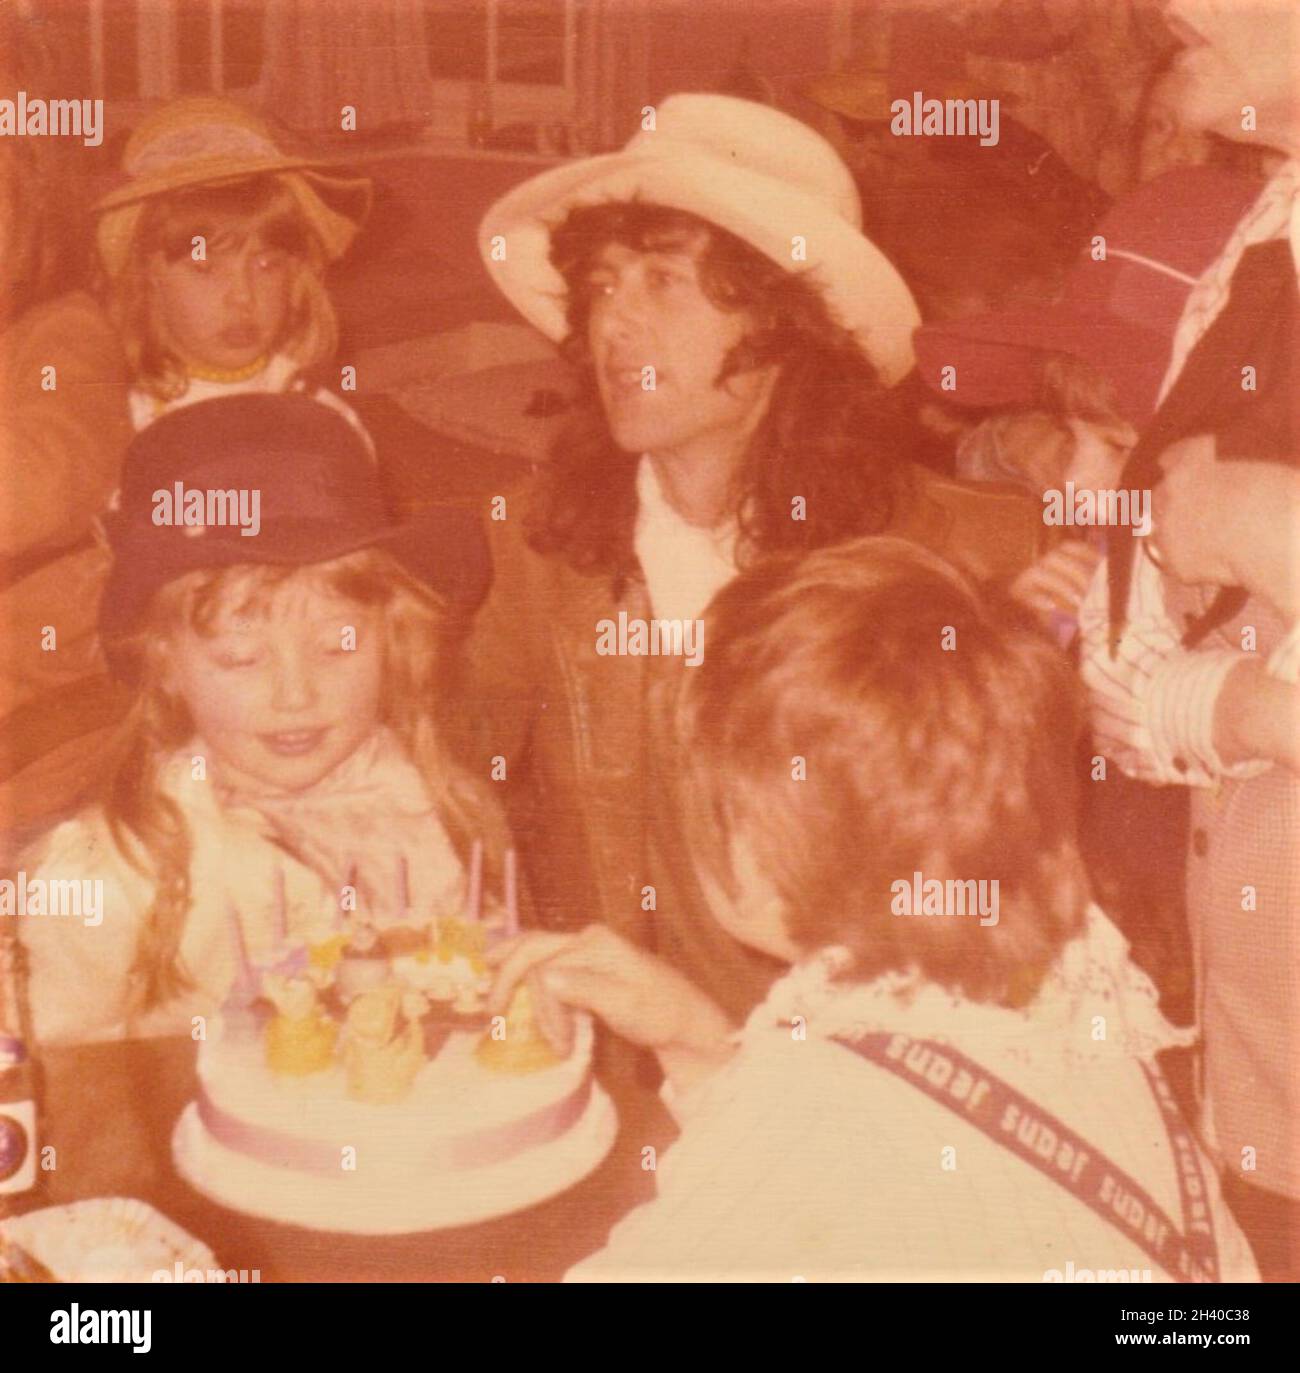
column 1119, row 313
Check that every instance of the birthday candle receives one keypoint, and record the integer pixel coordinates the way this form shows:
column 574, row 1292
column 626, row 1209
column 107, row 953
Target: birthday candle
column 246, row 976
column 403, row 888
column 281, row 909
column 476, row 880
column 512, row 894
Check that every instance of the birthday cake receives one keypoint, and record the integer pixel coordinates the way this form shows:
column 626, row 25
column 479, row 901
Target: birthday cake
column 368, row 1091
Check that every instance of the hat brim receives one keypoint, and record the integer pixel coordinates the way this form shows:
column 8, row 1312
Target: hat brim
column 417, row 543
column 861, row 286
column 208, row 171
column 999, row 357
column 311, row 188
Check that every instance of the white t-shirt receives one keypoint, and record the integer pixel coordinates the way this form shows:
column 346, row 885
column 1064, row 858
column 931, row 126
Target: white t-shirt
column 685, row 565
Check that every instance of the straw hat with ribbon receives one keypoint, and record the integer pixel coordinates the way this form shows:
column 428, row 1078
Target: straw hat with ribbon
column 199, row 141
column 759, row 174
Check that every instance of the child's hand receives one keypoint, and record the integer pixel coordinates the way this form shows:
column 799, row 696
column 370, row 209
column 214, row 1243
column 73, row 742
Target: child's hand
column 636, row 994
column 1059, row 580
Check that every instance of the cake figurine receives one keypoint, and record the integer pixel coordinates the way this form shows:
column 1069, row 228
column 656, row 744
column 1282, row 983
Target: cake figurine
column 300, row 1040
column 323, row 957
column 363, row 965
column 450, row 969
column 457, row 939
column 384, row 1045
column 515, row 1044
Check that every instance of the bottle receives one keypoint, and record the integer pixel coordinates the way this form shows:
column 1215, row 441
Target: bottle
column 18, row 1175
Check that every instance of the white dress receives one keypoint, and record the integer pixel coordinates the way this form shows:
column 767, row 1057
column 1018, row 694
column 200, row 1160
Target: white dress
column 369, row 824
column 279, row 375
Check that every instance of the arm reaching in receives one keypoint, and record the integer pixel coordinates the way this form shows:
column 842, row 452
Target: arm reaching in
column 639, row 997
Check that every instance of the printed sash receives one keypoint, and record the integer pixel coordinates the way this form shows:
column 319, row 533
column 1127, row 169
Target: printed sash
column 1010, row 1119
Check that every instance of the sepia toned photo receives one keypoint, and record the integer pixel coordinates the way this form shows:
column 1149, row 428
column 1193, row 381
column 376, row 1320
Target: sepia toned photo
column 650, row 642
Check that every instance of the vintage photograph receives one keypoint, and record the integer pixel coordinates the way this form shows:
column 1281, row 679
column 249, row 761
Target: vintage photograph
column 647, row 641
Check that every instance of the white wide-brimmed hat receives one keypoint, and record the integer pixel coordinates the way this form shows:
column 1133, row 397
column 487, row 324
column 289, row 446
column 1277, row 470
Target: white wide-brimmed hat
column 759, row 174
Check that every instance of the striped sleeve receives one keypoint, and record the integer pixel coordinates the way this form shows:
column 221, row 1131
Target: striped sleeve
column 1152, row 704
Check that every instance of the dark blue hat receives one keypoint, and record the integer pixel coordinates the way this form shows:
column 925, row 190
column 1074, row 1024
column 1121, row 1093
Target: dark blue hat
column 268, row 479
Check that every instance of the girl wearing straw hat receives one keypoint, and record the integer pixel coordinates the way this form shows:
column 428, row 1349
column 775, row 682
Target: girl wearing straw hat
column 214, row 249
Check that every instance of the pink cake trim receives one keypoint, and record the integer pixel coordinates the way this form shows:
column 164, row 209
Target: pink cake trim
column 478, row 1150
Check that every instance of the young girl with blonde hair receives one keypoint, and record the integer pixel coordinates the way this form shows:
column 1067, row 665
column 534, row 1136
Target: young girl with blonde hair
column 214, row 251
column 280, row 747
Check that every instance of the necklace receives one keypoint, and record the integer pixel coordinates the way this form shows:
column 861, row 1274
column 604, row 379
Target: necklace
column 226, row 378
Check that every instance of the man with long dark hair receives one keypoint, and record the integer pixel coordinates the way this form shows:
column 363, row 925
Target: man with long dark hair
column 737, row 339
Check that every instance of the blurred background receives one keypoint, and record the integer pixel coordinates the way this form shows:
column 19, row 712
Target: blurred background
column 456, row 99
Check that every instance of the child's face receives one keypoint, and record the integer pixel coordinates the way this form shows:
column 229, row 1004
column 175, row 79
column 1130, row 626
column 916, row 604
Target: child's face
column 279, row 699
column 1049, row 451
column 228, row 310
column 1031, row 443
column 1098, row 455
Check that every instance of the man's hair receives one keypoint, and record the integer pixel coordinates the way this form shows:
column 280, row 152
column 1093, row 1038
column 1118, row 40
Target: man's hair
column 832, row 433
column 938, row 734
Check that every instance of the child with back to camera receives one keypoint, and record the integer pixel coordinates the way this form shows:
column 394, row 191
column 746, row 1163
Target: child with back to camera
column 923, row 1095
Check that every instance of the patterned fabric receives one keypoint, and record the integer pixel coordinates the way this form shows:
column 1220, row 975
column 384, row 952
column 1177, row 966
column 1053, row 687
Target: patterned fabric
column 1153, row 704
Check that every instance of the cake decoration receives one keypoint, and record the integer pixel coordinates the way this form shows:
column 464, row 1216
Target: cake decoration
column 363, row 965
column 300, row 1040
column 384, row 1046
column 518, row 1046
column 324, row 956
column 376, row 1042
